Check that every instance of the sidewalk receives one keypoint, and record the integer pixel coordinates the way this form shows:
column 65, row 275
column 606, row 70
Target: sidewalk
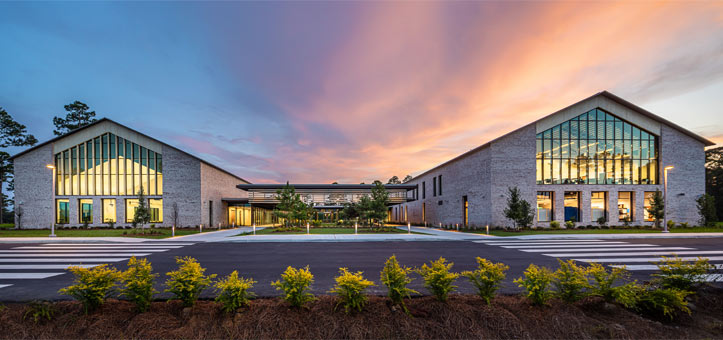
column 610, row 236
column 213, row 236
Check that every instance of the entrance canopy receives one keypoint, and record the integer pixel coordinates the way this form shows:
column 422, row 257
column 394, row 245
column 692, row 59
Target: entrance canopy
column 327, row 195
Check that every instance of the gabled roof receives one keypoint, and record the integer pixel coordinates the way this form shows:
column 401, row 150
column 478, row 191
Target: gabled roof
column 136, row 131
column 605, row 94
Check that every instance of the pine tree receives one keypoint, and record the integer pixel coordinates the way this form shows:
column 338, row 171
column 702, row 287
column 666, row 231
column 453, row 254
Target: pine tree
column 142, row 214
column 77, row 117
column 657, row 208
column 12, row 133
column 518, row 210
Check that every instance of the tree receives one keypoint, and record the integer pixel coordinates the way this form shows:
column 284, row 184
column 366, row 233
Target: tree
column 518, row 210
column 142, row 214
column 706, row 210
column 349, row 212
column 714, row 177
column 287, row 198
column 77, row 117
column 407, row 178
column 657, row 207
column 12, row 133
column 174, row 214
column 394, row 180
column 379, row 202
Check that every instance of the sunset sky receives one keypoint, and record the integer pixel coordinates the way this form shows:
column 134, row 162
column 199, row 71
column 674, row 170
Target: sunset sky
column 353, row 91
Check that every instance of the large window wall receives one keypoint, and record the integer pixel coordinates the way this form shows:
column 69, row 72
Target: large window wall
column 596, row 147
column 108, row 165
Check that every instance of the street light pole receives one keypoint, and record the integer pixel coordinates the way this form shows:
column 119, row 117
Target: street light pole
column 665, row 198
column 52, row 225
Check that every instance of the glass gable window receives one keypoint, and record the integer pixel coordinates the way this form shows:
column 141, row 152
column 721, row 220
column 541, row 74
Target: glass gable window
column 544, row 206
column 86, row 211
column 108, row 165
column 62, row 209
column 598, row 205
column 596, row 147
column 109, row 211
column 625, row 206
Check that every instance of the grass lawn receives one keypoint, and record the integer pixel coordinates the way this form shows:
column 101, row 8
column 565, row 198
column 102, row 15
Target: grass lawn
column 599, row 231
column 336, row 230
column 165, row 232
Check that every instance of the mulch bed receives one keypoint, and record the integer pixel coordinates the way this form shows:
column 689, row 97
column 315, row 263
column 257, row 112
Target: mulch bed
column 464, row 316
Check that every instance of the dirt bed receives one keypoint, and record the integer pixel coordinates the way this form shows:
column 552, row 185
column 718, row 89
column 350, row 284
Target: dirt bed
column 463, row 316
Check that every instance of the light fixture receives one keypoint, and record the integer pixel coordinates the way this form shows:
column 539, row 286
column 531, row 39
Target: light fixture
column 669, row 167
column 50, row 166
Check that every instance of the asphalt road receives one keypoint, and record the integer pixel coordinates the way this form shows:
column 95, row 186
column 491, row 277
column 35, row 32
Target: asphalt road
column 264, row 262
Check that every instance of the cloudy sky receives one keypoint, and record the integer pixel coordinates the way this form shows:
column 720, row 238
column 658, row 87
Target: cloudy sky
column 353, row 91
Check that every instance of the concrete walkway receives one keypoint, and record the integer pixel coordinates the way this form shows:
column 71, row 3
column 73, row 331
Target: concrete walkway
column 213, row 236
column 611, row 236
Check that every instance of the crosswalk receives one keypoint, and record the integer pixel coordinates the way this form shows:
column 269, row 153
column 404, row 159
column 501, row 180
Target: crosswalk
column 634, row 256
column 52, row 259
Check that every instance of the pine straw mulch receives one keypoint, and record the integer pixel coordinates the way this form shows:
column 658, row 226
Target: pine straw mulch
column 464, row 316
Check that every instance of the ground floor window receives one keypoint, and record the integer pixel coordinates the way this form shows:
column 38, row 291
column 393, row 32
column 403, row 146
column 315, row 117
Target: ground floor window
column 647, row 202
column 156, row 207
column 86, row 210
column 131, row 205
column 424, row 212
column 109, row 211
column 598, row 204
column 62, row 209
column 625, row 206
column 544, row 206
column 572, row 206
column 466, row 210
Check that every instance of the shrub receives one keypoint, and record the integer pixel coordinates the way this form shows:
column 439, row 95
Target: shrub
column 570, row 225
column 602, row 220
column 706, row 210
column 684, row 225
column 234, row 292
column 676, row 273
column 536, row 281
column 671, row 224
column 437, row 278
column 570, row 280
column 188, row 281
column 350, row 288
column 661, row 302
column 396, row 278
column 39, row 311
column 138, row 283
column 92, row 285
column 604, row 284
column 487, row 277
column 295, row 283
column 555, row 225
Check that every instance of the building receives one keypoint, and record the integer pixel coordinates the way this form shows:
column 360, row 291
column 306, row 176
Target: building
column 98, row 170
column 602, row 157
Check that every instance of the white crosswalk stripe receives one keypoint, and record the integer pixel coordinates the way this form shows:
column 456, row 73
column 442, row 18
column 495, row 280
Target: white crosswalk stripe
column 636, row 257
column 53, row 259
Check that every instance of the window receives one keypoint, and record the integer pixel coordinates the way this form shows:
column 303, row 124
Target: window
column 108, row 165
column 434, row 186
column 465, row 208
column 86, row 210
column 109, row 211
column 131, row 205
column 598, row 204
column 572, row 206
column 647, row 203
column 439, row 183
column 156, row 207
column 424, row 190
column 424, row 212
column 625, row 206
column 596, row 148
column 544, row 206
column 62, row 208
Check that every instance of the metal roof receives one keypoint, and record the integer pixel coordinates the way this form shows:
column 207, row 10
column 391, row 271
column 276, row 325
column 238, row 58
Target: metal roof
column 323, row 186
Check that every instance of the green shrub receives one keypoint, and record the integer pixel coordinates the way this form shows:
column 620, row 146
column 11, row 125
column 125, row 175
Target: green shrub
column 555, row 225
column 138, row 283
column 671, row 224
column 661, row 302
column 295, row 283
column 536, row 281
column 570, row 225
column 92, row 285
column 234, row 292
column 39, row 311
column 570, row 281
column 437, row 278
column 604, row 284
column 676, row 273
column 396, row 278
column 188, row 281
column 684, row 225
column 487, row 277
column 350, row 288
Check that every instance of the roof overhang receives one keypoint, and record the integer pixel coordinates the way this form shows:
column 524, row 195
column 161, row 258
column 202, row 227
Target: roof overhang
column 255, row 187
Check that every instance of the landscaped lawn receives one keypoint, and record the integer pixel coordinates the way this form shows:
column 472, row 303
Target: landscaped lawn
column 599, row 231
column 165, row 232
column 334, row 230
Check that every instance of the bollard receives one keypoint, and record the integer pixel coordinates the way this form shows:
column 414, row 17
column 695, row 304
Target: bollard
column 173, row 231
column 487, row 227
column 457, row 226
column 52, row 230
column 440, row 225
column 254, row 226
column 355, row 228
column 200, row 228
column 307, row 228
column 409, row 228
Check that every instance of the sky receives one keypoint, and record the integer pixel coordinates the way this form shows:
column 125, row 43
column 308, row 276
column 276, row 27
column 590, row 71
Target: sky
column 317, row 92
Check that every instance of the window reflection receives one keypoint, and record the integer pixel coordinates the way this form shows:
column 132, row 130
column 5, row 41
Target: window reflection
column 598, row 205
column 625, row 206
column 544, row 206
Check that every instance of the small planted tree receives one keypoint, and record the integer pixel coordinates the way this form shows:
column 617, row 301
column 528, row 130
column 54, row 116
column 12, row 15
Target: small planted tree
column 350, row 289
column 396, row 278
column 296, row 285
column 657, row 208
column 142, row 214
column 438, row 278
column 234, row 292
column 188, row 281
column 706, row 210
column 536, row 282
column 487, row 277
column 518, row 210
column 379, row 202
column 288, row 199
column 91, row 286
column 138, row 283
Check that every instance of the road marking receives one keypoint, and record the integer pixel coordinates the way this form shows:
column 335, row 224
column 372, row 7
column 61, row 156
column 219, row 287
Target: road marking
column 649, row 266
column 549, row 243
column 126, row 244
column 75, row 255
column 712, row 277
column 79, row 251
column 536, row 240
column 105, row 259
column 22, row 276
column 103, row 247
column 642, row 253
column 43, row 266
column 3, row 286
column 647, row 259
column 581, row 246
column 602, row 249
